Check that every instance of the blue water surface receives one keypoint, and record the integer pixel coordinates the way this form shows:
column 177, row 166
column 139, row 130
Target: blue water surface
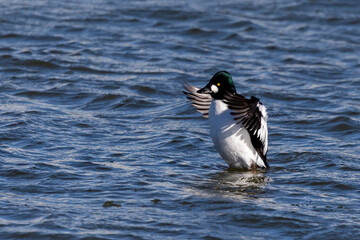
column 97, row 140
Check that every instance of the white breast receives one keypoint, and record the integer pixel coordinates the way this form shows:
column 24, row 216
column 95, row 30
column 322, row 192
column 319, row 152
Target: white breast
column 231, row 140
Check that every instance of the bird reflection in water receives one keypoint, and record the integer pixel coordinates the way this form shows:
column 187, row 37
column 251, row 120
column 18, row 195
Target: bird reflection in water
column 240, row 184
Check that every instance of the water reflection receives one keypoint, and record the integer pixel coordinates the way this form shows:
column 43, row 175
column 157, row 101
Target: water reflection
column 240, row 184
column 232, row 185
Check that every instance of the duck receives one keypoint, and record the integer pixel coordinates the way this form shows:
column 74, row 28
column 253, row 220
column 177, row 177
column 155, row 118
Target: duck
column 238, row 125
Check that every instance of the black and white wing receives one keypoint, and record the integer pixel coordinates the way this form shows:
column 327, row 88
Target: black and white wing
column 201, row 101
column 251, row 113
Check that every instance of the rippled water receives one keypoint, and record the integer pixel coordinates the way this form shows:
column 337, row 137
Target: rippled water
column 97, row 140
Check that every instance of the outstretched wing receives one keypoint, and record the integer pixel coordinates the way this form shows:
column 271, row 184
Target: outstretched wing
column 251, row 113
column 201, row 101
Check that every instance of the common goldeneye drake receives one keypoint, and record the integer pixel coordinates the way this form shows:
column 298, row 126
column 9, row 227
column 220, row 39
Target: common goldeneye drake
column 238, row 126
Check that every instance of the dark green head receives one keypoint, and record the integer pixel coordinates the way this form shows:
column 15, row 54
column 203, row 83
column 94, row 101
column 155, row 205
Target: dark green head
column 219, row 84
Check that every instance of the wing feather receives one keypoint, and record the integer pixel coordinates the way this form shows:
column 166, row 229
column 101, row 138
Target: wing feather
column 200, row 101
column 251, row 113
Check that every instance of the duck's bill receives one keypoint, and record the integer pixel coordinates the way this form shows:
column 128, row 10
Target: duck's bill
column 205, row 90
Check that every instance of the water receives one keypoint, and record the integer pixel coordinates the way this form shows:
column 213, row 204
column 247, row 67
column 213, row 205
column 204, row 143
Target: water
column 97, row 140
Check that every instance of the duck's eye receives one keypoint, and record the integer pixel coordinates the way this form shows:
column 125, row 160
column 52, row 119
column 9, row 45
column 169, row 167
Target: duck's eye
column 218, row 84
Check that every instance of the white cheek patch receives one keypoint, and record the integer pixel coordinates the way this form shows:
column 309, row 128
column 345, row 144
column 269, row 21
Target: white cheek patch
column 214, row 89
